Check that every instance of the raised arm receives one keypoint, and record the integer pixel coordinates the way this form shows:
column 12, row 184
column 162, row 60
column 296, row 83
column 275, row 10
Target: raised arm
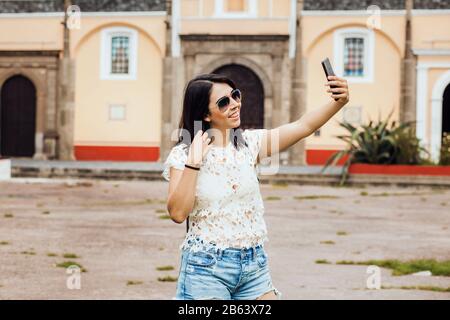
column 291, row 133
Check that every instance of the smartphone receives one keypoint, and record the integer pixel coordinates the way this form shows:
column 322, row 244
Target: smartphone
column 328, row 69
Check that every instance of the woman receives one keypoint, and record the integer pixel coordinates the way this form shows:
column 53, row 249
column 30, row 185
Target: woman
column 213, row 181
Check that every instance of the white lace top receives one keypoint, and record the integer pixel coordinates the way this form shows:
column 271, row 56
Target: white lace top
column 228, row 209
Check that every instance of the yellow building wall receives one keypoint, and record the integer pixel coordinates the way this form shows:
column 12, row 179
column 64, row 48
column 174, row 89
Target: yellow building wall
column 141, row 129
column 142, row 97
column 206, row 8
column 31, row 33
column 379, row 97
column 431, row 34
column 315, row 27
column 431, row 31
column 152, row 26
column 198, row 17
column 433, row 75
column 138, row 136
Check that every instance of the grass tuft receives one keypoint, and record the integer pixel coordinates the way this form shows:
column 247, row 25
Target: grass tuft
column 29, row 253
column 280, row 184
column 426, row 288
column 67, row 264
column 167, row 279
column 322, row 261
column 437, row 268
column 165, row 268
column 315, row 197
column 327, row 242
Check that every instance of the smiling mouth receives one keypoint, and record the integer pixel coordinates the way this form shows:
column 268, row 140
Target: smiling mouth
column 235, row 115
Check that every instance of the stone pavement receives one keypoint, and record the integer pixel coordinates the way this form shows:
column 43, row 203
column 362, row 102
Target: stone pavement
column 117, row 231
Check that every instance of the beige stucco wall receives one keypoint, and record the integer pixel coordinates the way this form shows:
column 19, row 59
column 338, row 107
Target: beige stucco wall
column 433, row 75
column 432, row 35
column 386, row 80
column 142, row 96
column 31, row 33
column 198, row 17
column 315, row 27
column 206, row 8
column 431, row 30
column 150, row 25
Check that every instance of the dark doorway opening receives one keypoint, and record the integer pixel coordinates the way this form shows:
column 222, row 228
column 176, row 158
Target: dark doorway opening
column 17, row 117
column 446, row 111
column 252, row 111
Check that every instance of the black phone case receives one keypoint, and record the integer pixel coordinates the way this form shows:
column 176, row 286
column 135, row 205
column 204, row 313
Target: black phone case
column 328, row 69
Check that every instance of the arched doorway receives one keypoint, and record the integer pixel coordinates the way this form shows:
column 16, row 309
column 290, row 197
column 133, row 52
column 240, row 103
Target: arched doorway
column 446, row 111
column 252, row 112
column 17, row 117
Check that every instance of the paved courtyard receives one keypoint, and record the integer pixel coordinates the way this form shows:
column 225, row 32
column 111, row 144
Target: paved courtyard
column 117, row 231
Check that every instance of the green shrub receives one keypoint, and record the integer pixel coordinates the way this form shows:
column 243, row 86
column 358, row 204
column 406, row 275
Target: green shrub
column 444, row 159
column 381, row 142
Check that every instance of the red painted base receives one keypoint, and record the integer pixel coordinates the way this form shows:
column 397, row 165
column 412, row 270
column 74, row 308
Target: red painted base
column 396, row 169
column 116, row 153
column 121, row 153
column 320, row 157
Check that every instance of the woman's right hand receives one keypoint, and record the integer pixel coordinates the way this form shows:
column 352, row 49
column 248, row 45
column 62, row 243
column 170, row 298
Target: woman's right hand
column 198, row 149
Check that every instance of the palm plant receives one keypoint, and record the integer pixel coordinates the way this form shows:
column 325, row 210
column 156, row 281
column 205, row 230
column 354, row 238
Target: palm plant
column 377, row 143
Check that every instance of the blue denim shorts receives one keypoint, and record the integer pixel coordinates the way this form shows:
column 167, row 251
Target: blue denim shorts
column 229, row 274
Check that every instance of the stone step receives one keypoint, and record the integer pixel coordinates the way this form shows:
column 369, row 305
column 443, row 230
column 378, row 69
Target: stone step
column 303, row 175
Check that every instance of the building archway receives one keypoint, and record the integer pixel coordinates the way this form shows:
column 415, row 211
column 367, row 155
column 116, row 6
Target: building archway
column 446, row 112
column 440, row 112
column 252, row 111
column 18, row 117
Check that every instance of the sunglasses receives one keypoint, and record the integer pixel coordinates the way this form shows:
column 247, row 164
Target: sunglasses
column 224, row 102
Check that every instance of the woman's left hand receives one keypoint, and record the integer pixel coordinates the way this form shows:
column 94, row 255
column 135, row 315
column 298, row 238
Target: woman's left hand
column 340, row 92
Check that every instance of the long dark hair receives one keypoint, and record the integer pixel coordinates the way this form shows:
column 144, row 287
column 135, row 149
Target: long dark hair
column 195, row 108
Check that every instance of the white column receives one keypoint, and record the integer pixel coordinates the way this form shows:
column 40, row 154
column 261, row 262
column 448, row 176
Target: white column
column 421, row 105
column 176, row 46
column 292, row 28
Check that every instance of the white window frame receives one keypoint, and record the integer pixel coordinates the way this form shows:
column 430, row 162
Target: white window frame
column 105, row 53
column 220, row 12
column 369, row 53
